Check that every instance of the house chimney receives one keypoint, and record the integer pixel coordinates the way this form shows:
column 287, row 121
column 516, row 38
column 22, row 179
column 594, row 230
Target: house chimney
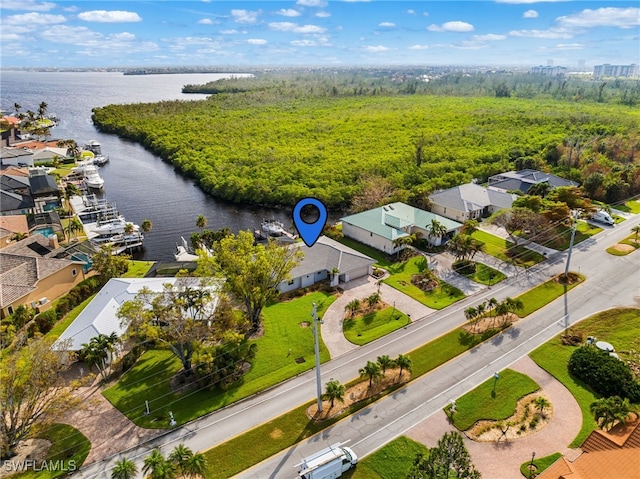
column 53, row 241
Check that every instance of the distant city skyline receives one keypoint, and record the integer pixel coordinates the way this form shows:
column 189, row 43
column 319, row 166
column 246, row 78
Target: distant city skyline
column 517, row 33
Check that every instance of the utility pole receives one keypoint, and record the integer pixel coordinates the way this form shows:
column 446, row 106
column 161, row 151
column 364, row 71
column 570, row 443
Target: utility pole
column 573, row 234
column 314, row 315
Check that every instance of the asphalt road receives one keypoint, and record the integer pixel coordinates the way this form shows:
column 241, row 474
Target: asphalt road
column 611, row 281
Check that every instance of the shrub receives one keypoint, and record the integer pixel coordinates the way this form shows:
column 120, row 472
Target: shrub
column 46, row 320
column 605, row 374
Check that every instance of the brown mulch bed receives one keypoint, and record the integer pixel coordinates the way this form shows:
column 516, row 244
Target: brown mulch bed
column 623, row 248
column 490, row 322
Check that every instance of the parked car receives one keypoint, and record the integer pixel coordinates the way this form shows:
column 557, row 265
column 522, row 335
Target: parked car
column 603, row 217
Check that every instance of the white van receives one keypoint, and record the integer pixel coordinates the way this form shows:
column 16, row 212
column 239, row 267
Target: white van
column 603, row 217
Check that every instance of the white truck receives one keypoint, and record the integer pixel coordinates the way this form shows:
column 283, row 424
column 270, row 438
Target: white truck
column 603, row 217
column 328, row 463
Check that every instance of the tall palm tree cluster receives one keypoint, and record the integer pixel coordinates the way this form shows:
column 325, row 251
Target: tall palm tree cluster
column 494, row 309
column 181, row 462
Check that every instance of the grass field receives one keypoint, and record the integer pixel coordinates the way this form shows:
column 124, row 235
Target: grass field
column 506, row 251
column 364, row 329
column 392, row 461
column 631, row 206
column 484, row 274
column 494, row 399
column 541, row 464
column 631, row 240
column 284, row 341
column 69, row 446
column 561, row 242
column 542, row 295
column 619, row 327
column 438, row 298
column 137, row 269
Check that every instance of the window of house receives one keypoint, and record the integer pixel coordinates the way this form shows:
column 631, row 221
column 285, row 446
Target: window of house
column 10, row 310
column 370, row 234
column 290, row 282
column 74, row 272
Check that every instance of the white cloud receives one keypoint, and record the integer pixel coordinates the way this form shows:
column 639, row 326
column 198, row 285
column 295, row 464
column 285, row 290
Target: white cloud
column 256, row 41
column 245, row 16
column 530, row 1
column 602, row 17
column 387, row 24
column 312, row 3
column 419, row 47
column 530, row 14
column 288, row 12
column 456, row 26
column 411, row 11
column 491, row 37
column 570, row 46
column 30, row 5
column 33, row 18
column 206, row 21
column 111, row 16
column 375, row 49
column 551, row 33
column 323, row 14
column 304, row 43
column 294, row 27
column 233, row 31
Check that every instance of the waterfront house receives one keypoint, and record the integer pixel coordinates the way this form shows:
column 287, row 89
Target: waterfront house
column 381, row 227
column 10, row 226
column 327, row 260
column 15, row 195
column 32, row 274
column 524, row 179
column 16, row 156
column 100, row 316
column 469, row 201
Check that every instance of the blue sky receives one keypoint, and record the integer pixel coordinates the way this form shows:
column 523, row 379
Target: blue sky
column 317, row 32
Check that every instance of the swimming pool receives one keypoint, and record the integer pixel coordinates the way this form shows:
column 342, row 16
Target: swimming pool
column 46, row 232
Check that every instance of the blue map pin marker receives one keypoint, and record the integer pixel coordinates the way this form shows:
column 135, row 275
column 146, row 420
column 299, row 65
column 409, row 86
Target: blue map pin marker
column 310, row 232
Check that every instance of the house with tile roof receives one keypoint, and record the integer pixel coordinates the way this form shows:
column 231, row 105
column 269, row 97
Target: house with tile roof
column 469, row 201
column 613, row 454
column 32, row 275
column 381, row 227
column 11, row 225
column 524, row 179
column 100, row 316
column 327, row 260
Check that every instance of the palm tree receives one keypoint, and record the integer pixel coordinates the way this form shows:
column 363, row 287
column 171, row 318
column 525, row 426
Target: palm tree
column 436, row 229
column 385, row 362
column 195, row 466
column 42, row 110
column 18, row 236
column 608, row 411
column 352, row 307
column 372, row 371
column 201, row 221
column 180, row 456
column 74, row 226
column 157, row 467
column 334, row 390
column 542, row 403
column 636, row 230
column 72, row 147
column 124, row 469
column 513, row 305
column 404, row 363
column 372, row 300
column 469, row 227
column 492, row 303
column 471, row 314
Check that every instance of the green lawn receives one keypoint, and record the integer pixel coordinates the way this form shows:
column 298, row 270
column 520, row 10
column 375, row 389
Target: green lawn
column 562, row 239
column 392, row 461
column 631, row 240
column 619, row 327
column 484, row 274
column 631, row 206
column 506, row 251
column 137, row 269
column 543, row 294
column 284, row 341
column 68, row 445
column 438, row 298
column 382, row 260
column 494, row 399
column 541, row 464
column 364, row 329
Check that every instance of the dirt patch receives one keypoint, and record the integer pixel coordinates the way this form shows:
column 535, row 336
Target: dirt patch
column 356, row 393
column 34, row 450
column 525, row 421
column 623, row 248
column 572, row 278
column 490, row 322
column 276, row 434
column 304, row 324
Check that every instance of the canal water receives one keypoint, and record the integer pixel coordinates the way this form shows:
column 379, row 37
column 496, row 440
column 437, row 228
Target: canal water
column 140, row 184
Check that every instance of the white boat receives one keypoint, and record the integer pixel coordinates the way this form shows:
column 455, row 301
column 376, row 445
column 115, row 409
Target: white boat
column 94, row 147
column 92, row 179
column 112, row 227
column 100, row 160
column 272, row 228
column 82, row 165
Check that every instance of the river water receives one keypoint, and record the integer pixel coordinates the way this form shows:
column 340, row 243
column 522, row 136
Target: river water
column 140, row 184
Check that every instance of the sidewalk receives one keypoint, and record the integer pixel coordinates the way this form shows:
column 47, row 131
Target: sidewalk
column 503, row 459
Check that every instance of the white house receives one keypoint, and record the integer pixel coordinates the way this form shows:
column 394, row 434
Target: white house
column 327, row 259
column 381, row 227
column 100, row 315
column 469, row 201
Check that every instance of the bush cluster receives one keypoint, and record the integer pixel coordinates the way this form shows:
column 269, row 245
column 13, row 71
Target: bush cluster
column 605, row 374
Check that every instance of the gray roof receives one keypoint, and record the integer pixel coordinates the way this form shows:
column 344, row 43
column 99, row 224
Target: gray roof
column 327, row 254
column 471, row 197
column 522, row 180
column 12, row 152
column 389, row 220
column 43, row 185
column 14, row 201
column 100, row 315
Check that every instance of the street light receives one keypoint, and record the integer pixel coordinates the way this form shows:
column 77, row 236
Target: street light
column 533, row 456
column 314, row 315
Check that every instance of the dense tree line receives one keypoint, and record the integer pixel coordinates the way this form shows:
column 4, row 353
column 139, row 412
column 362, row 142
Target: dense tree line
column 275, row 145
